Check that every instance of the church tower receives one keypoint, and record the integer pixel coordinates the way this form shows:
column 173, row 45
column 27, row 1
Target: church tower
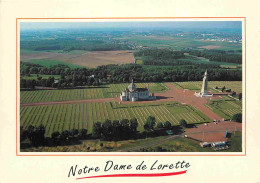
column 204, row 89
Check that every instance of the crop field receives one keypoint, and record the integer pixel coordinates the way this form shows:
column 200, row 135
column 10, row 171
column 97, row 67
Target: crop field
column 77, row 116
column 196, row 85
column 48, row 63
column 78, row 58
column 106, row 91
column 225, row 107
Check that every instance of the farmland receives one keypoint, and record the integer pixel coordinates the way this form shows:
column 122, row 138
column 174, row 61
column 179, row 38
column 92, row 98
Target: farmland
column 105, row 91
column 225, row 107
column 196, row 85
column 78, row 116
column 77, row 58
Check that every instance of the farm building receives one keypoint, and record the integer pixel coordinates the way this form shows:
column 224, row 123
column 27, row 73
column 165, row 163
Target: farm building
column 132, row 93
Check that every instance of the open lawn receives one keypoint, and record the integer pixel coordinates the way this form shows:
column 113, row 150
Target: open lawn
column 105, row 91
column 77, row 116
column 196, row 85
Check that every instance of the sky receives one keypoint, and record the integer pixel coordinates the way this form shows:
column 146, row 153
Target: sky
column 236, row 25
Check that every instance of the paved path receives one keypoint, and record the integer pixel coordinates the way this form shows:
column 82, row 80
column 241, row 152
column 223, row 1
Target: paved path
column 173, row 94
column 188, row 97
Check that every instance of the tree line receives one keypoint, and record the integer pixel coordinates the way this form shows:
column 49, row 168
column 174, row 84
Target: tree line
column 218, row 55
column 72, row 77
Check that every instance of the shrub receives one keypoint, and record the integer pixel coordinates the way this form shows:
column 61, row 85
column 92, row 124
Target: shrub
column 183, row 123
column 237, row 117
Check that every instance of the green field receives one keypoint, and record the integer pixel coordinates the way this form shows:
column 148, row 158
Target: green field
column 106, row 91
column 225, row 107
column 48, row 63
column 77, row 116
column 196, row 85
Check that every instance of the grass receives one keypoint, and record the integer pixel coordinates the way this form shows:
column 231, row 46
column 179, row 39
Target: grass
column 226, row 107
column 235, row 142
column 77, row 116
column 196, row 85
column 105, row 91
column 48, row 63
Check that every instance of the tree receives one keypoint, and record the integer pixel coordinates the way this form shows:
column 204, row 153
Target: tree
column 167, row 125
column 116, row 129
column 74, row 132
column 55, row 135
column 240, row 96
column 183, row 123
column 159, row 125
column 36, row 135
column 107, row 129
column 23, row 134
column 125, row 131
column 82, row 133
column 133, row 124
column 65, row 135
column 97, row 130
column 150, row 122
column 237, row 117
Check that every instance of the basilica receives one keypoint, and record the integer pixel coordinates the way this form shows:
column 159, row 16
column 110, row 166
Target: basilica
column 132, row 93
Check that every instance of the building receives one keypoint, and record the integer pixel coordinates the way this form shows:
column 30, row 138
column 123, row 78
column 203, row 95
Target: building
column 132, row 93
column 204, row 89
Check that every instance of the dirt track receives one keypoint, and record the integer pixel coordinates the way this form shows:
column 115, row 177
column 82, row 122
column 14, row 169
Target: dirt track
column 173, row 94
